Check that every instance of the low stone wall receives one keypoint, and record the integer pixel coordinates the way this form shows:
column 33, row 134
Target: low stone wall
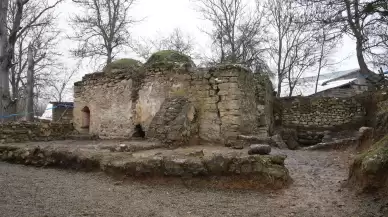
column 23, row 132
column 321, row 113
column 235, row 169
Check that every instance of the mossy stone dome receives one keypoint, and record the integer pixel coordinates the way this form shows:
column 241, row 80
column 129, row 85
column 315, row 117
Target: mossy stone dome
column 125, row 63
column 169, row 56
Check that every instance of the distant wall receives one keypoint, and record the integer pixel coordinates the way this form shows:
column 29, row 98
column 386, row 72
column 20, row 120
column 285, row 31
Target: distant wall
column 342, row 92
column 321, row 113
column 23, row 132
column 63, row 115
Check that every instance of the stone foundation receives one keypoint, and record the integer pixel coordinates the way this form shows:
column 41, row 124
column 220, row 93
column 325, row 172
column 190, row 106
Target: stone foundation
column 206, row 163
column 23, row 132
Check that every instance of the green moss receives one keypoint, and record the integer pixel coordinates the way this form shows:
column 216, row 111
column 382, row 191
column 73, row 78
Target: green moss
column 179, row 92
column 376, row 158
column 167, row 57
column 125, row 63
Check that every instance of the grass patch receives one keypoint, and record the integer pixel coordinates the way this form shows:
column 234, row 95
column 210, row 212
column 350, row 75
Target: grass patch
column 125, row 63
column 376, row 157
column 168, row 56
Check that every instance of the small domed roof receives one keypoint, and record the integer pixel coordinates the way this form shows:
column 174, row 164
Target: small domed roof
column 125, row 63
column 169, row 56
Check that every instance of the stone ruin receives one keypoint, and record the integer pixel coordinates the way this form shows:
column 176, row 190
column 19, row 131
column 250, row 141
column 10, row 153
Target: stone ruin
column 188, row 114
column 173, row 101
column 167, row 119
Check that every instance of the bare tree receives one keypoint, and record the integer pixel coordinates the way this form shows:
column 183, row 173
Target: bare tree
column 102, row 29
column 4, row 60
column 14, row 16
column 60, row 86
column 177, row 40
column 44, row 37
column 293, row 49
column 351, row 18
column 328, row 41
column 30, row 84
column 238, row 34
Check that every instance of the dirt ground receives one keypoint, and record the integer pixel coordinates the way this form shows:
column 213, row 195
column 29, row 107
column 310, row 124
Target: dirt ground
column 317, row 191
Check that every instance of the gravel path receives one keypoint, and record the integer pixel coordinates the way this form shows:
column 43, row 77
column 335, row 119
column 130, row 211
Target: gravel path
column 316, row 192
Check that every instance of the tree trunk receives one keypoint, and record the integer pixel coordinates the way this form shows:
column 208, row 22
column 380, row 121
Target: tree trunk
column 4, row 61
column 360, row 56
column 279, row 86
column 109, row 55
column 30, row 85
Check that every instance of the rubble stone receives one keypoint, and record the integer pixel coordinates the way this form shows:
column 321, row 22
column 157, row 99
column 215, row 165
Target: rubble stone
column 259, row 149
column 268, row 170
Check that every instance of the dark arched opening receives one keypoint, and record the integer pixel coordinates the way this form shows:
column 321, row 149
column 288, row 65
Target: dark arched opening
column 85, row 117
column 139, row 132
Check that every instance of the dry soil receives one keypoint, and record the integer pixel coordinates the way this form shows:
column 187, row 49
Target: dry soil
column 317, row 191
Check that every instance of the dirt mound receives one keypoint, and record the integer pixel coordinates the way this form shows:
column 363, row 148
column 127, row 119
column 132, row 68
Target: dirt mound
column 369, row 169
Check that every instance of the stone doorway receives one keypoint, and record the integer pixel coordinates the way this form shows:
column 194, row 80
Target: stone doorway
column 85, row 118
column 139, row 132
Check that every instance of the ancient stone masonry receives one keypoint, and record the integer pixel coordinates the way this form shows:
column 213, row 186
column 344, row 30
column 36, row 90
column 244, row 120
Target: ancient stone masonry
column 23, row 132
column 223, row 168
column 175, row 123
column 322, row 113
column 63, row 112
column 224, row 101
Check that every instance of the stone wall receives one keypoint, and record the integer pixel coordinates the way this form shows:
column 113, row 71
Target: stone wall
column 321, row 113
column 176, row 122
column 63, row 115
column 229, row 100
column 108, row 97
column 341, row 92
column 24, row 131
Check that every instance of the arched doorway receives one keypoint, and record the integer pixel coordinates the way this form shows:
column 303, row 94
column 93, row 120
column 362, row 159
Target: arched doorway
column 85, row 117
column 139, row 132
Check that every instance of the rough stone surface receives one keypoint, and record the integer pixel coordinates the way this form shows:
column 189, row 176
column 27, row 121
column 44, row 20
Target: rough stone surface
column 289, row 136
column 262, row 171
column 321, row 113
column 369, row 169
column 229, row 100
column 278, row 141
column 62, row 112
column 175, row 123
column 338, row 144
column 25, row 131
column 259, row 149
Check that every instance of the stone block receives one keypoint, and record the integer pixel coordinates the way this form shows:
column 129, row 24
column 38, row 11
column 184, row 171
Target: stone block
column 259, row 149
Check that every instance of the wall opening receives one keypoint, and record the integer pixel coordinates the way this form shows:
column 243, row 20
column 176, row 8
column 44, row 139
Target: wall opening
column 85, row 117
column 139, row 132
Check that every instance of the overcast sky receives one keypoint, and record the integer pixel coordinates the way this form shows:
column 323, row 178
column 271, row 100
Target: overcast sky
column 162, row 16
